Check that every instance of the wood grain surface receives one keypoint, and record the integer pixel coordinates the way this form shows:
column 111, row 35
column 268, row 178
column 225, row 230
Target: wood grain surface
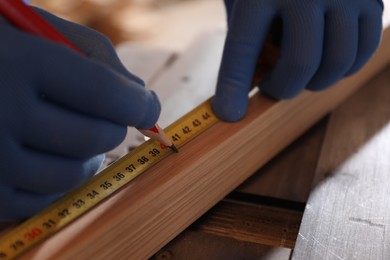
column 256, row 223
column 348, row 212
column 289, row 175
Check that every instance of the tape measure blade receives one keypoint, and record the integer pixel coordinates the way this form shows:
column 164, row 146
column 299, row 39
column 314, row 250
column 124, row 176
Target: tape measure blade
column 104, row 184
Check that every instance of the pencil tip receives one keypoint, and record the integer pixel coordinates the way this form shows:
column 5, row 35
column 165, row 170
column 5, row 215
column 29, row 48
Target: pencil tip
column 173, row 148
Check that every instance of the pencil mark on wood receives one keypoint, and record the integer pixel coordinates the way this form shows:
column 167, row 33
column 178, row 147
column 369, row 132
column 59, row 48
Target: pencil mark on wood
column 367, row 222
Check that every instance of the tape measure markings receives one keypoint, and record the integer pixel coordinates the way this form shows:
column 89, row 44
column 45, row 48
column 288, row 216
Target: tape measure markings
column 108, row 181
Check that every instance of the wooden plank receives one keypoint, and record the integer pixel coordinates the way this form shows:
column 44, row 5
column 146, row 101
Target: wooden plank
column 143, row 216
column 191, row 79
column 289, row 175
column 252, row 225
column 348, row 213
column 145, row 62
column 194, row 245
column 256, row 223
column 242, row 226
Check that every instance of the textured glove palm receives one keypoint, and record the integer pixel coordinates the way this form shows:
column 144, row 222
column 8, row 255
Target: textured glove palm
column 321, row 42
column 59, row 112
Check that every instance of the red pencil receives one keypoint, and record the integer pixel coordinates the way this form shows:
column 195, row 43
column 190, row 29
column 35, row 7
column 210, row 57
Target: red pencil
column 25, row 18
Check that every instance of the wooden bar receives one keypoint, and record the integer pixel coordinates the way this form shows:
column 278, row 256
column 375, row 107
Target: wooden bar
column 289, row 175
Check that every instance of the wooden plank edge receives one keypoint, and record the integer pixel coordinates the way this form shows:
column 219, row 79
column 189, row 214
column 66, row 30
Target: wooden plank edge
column 140, row 219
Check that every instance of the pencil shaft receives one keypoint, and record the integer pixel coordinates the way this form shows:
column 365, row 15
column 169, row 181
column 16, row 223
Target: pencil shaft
column 25, row 18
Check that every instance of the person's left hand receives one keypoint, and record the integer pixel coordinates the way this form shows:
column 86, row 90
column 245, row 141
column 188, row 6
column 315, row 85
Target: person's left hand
column 321, row 42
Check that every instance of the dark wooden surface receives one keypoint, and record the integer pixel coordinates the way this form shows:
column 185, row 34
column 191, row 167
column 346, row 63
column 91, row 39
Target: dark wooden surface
column 252, row 221
column 196, row 245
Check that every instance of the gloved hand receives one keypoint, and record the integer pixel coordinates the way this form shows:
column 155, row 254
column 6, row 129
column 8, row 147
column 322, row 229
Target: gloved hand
column 321, row 42
column 59, row 112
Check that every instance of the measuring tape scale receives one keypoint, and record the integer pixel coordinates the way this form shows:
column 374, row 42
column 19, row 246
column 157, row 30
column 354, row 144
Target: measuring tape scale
column 109, row 180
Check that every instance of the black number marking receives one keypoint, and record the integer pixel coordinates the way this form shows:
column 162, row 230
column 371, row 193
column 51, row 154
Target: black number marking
column 119, row 176
column 130, row 168
column 106, row 185
column 48, row 224
column 206, row 116
column 17, row 245
column 63, row 213
column 196, row 123
column 186, row 130
column 176, row 137
column 143, row 160
column 92, row 194
column 78, row 204
column 154, row 152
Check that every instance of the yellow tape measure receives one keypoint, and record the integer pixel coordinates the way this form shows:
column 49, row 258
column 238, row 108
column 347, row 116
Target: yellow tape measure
column 109, row 180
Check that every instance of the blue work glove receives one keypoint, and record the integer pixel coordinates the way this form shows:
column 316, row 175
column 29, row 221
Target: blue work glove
column 321, row 42
column 59, row 112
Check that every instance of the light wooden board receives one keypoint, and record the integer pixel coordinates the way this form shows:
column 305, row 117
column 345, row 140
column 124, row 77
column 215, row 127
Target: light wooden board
column 348, row 212
column 347, row 215
column 141, row 218
column 191, row 79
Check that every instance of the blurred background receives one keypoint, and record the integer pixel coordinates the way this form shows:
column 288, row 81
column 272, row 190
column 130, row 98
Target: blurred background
column 163, row 23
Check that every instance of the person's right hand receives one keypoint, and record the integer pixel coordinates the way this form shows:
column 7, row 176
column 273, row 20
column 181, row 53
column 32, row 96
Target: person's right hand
column 60, row 112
